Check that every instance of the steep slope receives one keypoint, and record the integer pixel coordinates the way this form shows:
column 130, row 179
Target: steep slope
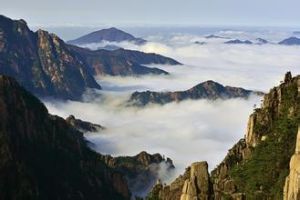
column 42, row 157
column 206, row 90
column 122, row 62
column 256, row 167
column 290, row 41
column 110, row 34
column 41, row 62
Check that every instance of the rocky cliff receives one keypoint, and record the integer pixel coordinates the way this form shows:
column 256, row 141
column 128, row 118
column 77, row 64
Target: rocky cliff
column 43, row 157
column 292, row 182
column 207, row 90
column 41, row 62
column 256, row 167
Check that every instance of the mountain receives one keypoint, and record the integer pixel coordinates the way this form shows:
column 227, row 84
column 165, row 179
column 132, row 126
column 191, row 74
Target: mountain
column 83, row 126
column 46, row 66
column 43, row 157
column 263, row 165
column 215, row 37
column 122, row 62
column 206, row 90
column 262, row 41
column 41, row 62
column 237, row 41
column 142, row 171
column 290, row 41
column 110, row 34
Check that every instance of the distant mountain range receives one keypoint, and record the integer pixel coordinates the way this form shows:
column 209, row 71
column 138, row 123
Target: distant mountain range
column 290, row 41
column 47, row 66
column 110, row 34
column 207, row 90
column 237, row 41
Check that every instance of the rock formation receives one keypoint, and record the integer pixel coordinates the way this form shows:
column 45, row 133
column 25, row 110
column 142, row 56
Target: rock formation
column 207, row 90
column 292, row 182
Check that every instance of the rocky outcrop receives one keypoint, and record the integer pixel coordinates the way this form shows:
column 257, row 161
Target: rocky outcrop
column 198, row 185
column 194, row 184
column 207, row 90
column 111, row 35
column 292, row 182
column 141, row 171
column 43, row 157
column 83, row 126
column 256, row 166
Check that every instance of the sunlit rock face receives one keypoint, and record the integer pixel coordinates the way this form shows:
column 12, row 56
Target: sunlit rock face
column 41, row 62
column 292, row 182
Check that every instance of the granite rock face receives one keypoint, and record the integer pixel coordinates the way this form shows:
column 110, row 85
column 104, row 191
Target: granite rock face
column 41, row 62
column 292, row 182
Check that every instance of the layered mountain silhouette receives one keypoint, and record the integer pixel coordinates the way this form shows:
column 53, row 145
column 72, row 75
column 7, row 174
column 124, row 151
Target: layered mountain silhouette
column 290, row 41
column 111, row 34
column 237, row 41
column 47, row 66
column 207, row 90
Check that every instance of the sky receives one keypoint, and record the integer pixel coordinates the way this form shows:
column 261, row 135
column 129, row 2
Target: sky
column 154, row 12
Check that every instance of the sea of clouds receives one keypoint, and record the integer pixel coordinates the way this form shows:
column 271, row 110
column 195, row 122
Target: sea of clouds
column 191, row 130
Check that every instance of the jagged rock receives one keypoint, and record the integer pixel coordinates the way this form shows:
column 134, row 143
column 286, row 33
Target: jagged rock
column 198, row 186
column 292, row 182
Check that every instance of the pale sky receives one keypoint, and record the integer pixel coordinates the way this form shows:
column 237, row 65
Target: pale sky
column 154, row 12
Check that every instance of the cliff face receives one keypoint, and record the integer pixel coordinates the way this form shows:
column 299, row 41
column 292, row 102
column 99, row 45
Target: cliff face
column 292, row 182
column 41, row 62
column 83, row 126
column 256, row 167
column 206, row 90
column 43, row 157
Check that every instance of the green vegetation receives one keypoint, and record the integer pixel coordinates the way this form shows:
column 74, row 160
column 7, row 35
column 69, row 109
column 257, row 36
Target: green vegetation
column 262, row 176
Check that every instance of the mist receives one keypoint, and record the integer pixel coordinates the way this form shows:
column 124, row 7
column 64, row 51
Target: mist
column 192, row 130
